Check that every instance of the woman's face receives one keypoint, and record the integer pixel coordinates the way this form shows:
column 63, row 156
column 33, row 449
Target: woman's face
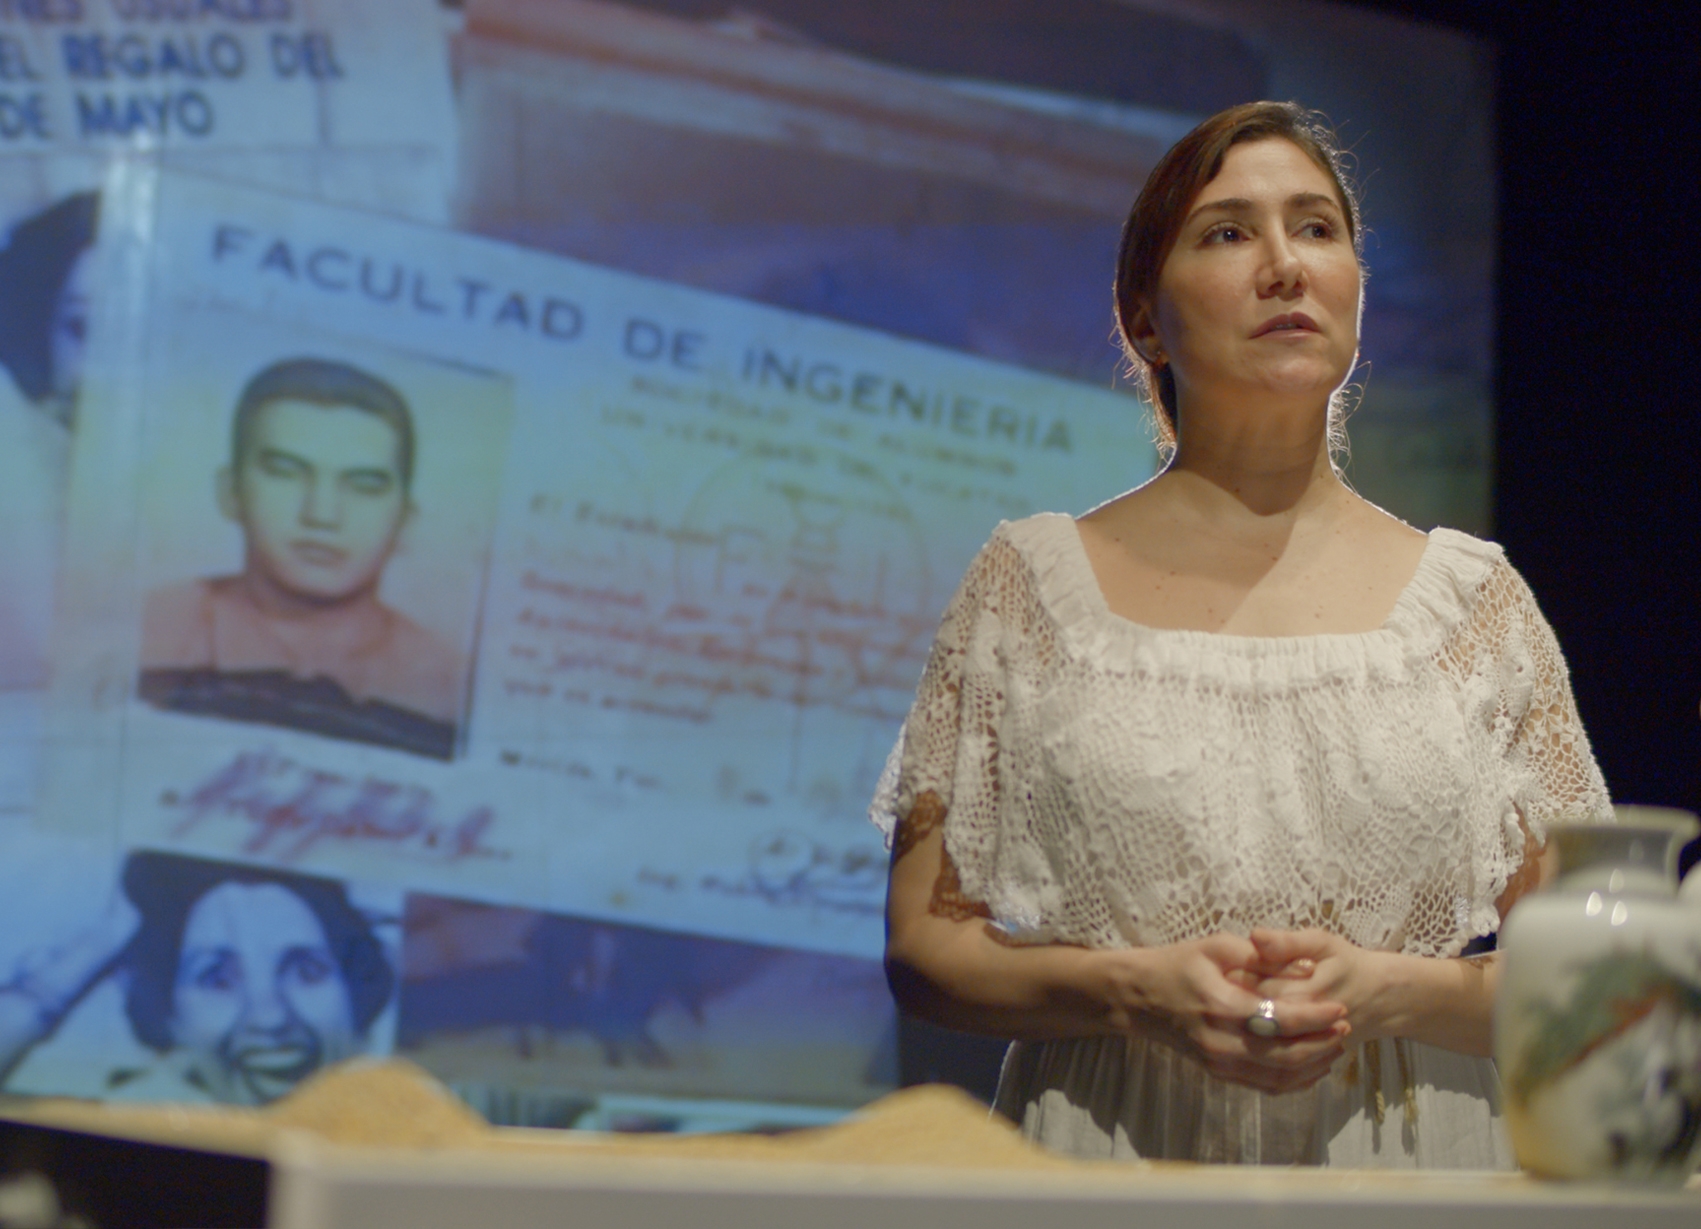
column 1259, row 296
column 259, row 1002
column 69, row 329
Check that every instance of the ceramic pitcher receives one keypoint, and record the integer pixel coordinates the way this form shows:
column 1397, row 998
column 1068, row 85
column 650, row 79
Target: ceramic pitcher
column 1597, row 1028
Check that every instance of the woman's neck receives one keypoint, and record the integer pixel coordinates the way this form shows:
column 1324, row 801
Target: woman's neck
column 1271, row 467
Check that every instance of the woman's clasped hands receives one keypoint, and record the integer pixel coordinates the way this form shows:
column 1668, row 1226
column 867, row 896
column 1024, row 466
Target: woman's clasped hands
column 1200, row 997
column 1366, row 982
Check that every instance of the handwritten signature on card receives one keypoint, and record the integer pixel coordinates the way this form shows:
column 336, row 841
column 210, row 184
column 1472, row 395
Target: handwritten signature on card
column 291, row 807
column 787, row 867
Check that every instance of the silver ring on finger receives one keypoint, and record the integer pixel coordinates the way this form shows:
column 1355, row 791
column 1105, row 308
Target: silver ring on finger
column 1262, row 1023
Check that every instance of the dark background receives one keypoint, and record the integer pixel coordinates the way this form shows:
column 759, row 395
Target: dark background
column 1597, row 449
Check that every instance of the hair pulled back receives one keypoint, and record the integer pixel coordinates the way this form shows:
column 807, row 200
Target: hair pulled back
column 1157, row 216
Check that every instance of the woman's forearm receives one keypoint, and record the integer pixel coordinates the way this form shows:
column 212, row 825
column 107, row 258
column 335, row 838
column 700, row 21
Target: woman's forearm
column 1447, row 1002
column 946, row 964
column 956, row 973
column 1444, row 1002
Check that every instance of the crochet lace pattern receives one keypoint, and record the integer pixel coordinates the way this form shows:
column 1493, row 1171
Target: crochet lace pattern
column 1110, row 784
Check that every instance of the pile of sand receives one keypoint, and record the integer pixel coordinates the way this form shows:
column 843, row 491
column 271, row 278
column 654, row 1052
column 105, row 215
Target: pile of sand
column 395, row 1104
column 391, row 1104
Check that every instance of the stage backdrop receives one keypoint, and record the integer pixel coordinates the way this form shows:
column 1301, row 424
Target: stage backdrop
column 483, row 482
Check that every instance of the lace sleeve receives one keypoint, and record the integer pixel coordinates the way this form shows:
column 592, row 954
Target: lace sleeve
column 883, row 807
column 950, row 735
column 949, row 740
column 1551, row 773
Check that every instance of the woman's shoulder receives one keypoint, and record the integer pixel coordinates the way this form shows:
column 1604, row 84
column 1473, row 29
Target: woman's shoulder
column 1466, row 564
column 1027, row 549
column 1491, row 587
column 1443, row 562
column 1464, row 588
column 1458, row 545
column 1039, row 532
column 1030, row 561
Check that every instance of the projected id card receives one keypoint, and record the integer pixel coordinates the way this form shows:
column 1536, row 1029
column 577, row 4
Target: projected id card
column 414, row 558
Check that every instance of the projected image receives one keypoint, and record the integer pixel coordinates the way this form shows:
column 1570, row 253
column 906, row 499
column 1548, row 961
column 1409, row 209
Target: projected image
column 580, row 557
column 348, row 102
column 561, row 1006
column 712, row 569
column 44, row 270
column 745, row 153
column 959, row 171
column 234, row 984
column 321, row 480
column 44, row 314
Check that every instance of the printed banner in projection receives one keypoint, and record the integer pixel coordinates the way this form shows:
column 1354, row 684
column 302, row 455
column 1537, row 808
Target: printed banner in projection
column 259, row 73
column 610, row 594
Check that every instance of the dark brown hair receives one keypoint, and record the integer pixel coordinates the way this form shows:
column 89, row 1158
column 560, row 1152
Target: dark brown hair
column 1161, row 208
column 34, row 268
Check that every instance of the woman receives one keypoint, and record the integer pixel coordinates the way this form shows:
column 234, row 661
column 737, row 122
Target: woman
column 1203, row 793
column 44, row 308
column 243, row 980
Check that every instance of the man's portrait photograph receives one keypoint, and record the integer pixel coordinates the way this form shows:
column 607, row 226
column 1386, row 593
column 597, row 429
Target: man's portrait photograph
column 354, row 497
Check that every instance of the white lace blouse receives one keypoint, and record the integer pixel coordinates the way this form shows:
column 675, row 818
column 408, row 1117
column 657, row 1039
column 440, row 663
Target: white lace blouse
column 1110, row 784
